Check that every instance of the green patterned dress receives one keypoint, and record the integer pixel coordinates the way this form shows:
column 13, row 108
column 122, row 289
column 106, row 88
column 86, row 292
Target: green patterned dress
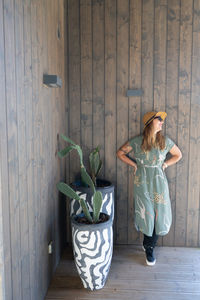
column 151, row 192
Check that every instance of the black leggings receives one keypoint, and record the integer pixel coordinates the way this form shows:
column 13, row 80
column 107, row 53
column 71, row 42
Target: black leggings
column 150, row 241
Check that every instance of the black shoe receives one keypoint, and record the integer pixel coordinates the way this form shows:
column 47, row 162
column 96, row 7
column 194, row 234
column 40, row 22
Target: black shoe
column 150, row 259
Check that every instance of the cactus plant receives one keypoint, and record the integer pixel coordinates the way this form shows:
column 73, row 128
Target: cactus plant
column 69, row 192
column 95, row 164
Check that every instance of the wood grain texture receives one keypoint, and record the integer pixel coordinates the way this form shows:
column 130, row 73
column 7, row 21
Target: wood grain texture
column 45, row 261
column 74, row 81
column 36, row 137
column 86, row 77
column 173, row 21
column 122, row 117
column 135, row 81
column 175, row 276
column 74, row 70
column 148, row 45
column 147, row 56
column 6, row 272
column 21, row 132
column 194, row 161
column 12, row 142
column 29, row 140
column 160, row 40
column 110, row 46
column 32, row 117
column 98, row 72
column 110, row 94
column 183, row 119
column 147, row 53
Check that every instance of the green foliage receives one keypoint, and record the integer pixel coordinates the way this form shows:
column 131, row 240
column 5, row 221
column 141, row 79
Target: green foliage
column 69, row 192
column 87, row 179
column 97, row 203
column 95, row 164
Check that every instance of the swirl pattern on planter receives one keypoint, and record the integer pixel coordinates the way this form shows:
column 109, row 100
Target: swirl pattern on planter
column 107, row 205
column 93, row 254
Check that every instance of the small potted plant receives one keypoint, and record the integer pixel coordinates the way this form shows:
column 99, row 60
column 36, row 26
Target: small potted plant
column 92, row 234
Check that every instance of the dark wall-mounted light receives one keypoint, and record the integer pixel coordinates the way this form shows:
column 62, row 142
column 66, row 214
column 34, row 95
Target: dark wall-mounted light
column 134, row 92
column 52, row 81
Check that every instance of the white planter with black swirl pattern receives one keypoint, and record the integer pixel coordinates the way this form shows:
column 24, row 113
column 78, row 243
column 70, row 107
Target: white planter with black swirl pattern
column 86, row 193
column 92, row 248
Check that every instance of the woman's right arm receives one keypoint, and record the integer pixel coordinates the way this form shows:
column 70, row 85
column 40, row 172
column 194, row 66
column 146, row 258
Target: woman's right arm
column 121, row 154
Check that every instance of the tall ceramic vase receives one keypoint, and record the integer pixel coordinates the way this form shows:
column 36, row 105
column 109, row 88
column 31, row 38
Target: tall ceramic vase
column 92, row 248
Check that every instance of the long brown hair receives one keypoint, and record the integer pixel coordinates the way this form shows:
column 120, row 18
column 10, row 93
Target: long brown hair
column 150, row 141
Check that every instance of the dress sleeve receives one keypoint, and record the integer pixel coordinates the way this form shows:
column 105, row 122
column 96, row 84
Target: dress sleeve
column 169, row 143
column 131, row 142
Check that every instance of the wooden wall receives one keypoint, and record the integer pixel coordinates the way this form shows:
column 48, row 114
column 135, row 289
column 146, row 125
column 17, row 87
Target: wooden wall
column 32, row 42
column 115, row 45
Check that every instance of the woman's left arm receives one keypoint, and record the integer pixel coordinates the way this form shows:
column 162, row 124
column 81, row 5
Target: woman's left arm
column 176, row 156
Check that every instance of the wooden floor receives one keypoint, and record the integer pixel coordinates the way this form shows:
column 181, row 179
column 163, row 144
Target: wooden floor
column 176, row 276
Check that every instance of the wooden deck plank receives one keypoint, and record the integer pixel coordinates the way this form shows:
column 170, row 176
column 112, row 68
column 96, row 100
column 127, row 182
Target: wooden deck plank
column 176, row 275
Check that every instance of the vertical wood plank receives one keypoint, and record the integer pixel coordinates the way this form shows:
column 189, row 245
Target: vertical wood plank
column 61, row 122
column 98, row 77
column 2, row 270
column 194, row 161
column 21, row 132
column 159, row 75
column 86, row 77
column 36, row 137
column 147, row 56
column 29, row 142
column 134, row 102
column 54, row 61
column 68, row 97
column 51, row 95
column 160, row 39
column 45, row 260
column 6, row 238
column 183, row 120
column 110, row 94
column 12, row 122
column 74, row 67
column 65, row 205
column 147, row 60
column 57, row 125
column 64, row 166
column 74, row 81
column 173, row 23
column 41, row 242
column 122, row 116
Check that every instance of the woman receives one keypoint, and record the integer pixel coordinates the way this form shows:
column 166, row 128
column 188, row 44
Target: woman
column 151, row 194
